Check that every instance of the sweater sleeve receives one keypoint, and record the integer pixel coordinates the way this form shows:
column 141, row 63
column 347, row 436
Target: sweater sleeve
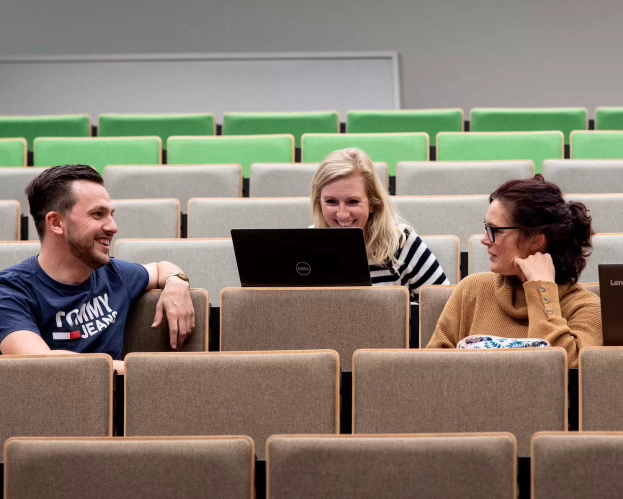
column 579, row 326
column 448, row 330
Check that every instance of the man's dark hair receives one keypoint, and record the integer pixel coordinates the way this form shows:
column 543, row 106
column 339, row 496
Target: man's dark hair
column 51, row 191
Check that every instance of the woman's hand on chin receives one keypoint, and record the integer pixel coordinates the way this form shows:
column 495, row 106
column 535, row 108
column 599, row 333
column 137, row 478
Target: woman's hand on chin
column 537, row 267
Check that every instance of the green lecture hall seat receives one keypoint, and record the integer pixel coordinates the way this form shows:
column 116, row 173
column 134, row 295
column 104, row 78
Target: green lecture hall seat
column 485, row 146
column 430, row 121
column 13, row 152
column 99, row 151
column 161, row 125
column 565, row 119
column 609, row 118
column 31, row 127
column 387, row 147
column 242, row 150
column 279, row 123
column 597, row 145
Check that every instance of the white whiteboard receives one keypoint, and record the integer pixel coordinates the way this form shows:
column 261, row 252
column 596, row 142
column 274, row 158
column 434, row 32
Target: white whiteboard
column 187, row 83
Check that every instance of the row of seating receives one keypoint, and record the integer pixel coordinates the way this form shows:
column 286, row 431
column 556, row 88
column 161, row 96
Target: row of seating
column 465, row 466
column 245, row 150
column 263, row 393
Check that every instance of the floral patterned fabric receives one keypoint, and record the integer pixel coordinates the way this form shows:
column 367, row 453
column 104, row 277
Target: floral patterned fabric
column 478, row 341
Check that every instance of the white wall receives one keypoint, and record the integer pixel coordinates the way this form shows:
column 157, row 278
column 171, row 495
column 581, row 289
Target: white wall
column 461, row 53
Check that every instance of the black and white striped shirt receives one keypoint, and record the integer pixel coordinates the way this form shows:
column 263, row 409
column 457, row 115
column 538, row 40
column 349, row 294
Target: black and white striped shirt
column 419, row 266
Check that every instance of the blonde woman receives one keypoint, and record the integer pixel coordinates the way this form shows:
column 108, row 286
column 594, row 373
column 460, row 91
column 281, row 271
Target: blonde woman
column 347, row 192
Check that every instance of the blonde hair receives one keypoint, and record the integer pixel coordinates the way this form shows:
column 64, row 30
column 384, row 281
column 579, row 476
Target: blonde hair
column 382, row 232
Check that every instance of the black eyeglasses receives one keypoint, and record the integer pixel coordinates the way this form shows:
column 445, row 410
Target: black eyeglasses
column 491, row 230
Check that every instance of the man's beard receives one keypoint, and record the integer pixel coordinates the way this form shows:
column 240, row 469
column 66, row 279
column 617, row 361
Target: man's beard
column 85, row 250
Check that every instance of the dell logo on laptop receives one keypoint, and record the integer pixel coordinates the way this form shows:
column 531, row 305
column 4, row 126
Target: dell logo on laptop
column 303, row 268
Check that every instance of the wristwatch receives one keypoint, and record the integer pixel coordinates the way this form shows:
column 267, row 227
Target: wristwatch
column 180, row 275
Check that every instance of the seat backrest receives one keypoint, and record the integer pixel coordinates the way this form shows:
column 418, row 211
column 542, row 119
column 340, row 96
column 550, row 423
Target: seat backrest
column 609, row 118
column 572, row 465
column 606, row 210
column 13, row 152
column 148, row 217
column 31, row 127
column 180, row 182
column 258, row 394
column 447, row 251
column 444, row 215
column 57, row 395
column 565, row 119
column 390, row 466
column 430, row 121
column 98, row 151
column 210, row 263
column 130, row 467
column 595, row 144
column 275, row 123
column 601, row 400
column 597, row 176
column 139, row 336
column 607, row 248
column 454, row 393
column 341, row 319
column 438, row 178
column 160, row 125
column 241, row 150
column 477, row 255
column 14, row 252
column 388, row 147
column 215, row 217
column 10, row 220
column 483, row 146
column 433, row 299
column 13, row 182
column 292, row 179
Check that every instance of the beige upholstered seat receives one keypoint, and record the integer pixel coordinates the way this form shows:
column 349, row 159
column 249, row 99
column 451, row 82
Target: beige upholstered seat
column 521, row 391
column 601, row 400
column 140, row 337
column 447, row 250
column 342, row 319
column 137, row 468
column 10, row 220
column 244, row 393
column 57, row 395
column 292, row 179
column 607, row 248
column 444, row 215
column 571, row 465
column 597, row 176
column 606, row 210
column 392, row 466
column 210, row 263
column 180, row 182
column 213, row 217
column 13, row 182
column 477, row 255
column 439, row 178
column 433, row 299
column 14, row 252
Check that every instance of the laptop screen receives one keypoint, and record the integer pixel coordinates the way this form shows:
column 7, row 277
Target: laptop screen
column 611, row 294
column 301, row 257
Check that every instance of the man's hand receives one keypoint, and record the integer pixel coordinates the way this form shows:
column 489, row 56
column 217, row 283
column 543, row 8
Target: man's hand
column 176, row 304
column 537, row 267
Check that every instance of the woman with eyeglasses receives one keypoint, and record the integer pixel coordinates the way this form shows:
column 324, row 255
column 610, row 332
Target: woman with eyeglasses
column 538, row 245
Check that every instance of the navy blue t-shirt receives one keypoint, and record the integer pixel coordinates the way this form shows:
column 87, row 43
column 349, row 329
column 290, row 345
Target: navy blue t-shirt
column 85, row 318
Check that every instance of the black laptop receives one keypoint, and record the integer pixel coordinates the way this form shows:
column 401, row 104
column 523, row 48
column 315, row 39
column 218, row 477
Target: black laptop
column 611, row 294
column 301, row 257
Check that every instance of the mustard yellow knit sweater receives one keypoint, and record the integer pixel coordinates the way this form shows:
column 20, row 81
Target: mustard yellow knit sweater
column 566, row 316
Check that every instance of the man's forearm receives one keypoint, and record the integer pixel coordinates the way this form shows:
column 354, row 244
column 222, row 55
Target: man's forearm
column 166, row 270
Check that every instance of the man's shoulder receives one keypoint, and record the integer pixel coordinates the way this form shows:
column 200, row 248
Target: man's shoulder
column 25, row 271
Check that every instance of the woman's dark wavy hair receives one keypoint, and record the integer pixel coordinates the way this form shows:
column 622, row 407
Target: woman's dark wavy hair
column 538, row 207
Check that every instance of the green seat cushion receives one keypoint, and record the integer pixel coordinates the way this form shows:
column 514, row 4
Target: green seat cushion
column 241, row 150
column 485, row 146
column 597, row 145
column 430, row 121
column 387, row 147
column 609, row 118
column 160, row 125
column 279, row 123
column 31, row 127
column 565, row 119
column 13, row 152
column 98, row 152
